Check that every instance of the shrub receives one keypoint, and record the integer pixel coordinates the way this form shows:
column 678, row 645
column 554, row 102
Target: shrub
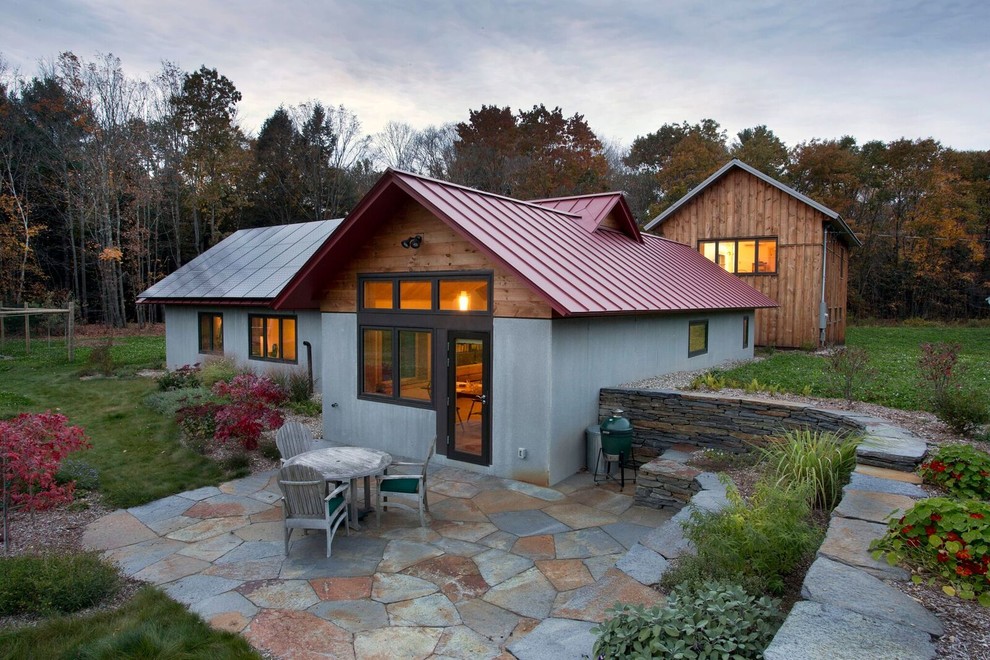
column 960, row 469
column 712, row 380
column 947, row 538
column 247, row 409
column 711, row 620
column 963, row 411
column 84, row 475
column 754, row 544
column 168, row 403
column 848, row 368
column 185, row 377
column 237, row 462
column 218, row 368
column 100, row 359
column 198, row 423
column 54, row 583
column 269, row 450
column 294, row 382
column 309, row 407
column 822, row 459
column 937, row 365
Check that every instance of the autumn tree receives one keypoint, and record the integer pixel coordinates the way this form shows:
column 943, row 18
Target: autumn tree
column 758, row 147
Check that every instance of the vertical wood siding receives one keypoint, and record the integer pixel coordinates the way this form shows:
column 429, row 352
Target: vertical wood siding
column 442, row 250
column 740, row 205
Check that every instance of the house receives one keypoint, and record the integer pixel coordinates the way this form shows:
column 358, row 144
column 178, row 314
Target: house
column 777, row 240
column 220, row 303
column 492, row 322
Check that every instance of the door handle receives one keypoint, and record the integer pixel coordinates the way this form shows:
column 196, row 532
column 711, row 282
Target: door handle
column 482, row 399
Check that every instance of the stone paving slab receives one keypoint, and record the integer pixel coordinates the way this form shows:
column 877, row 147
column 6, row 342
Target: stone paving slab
column 403, row 554
column 496, row 566
column 280, row 594
column 268, row 568
column 225, row 505
column 814, row 631
column 201, row 493
column 628, row 534
column 599, row 566
column 171, row 568
column 540, row 492
column 668, row 540
column 197, row 588
column 212, row 548
column 535, row 547
column 585, row 543
column 847, row 541
column 872, row 506
column 289, row 634
column 887, row 473
column 891, row 450
column 434, row 610
column 115, row 530
column 209, row 528
column 133, row 558
column 162, row 509
column 832, row 583
column 579, row 516
column 463, row 642
column 169, row 525
column 529, row 594
column 352, row 615
column 556, row 639
column 643, row 565
column 223, row 603
column 589, row 603
column 527, row 523
column 487, row 619
column 860, row 481
column 392, row 588
column 397, row 642
column 353, row 556
column 565, row 574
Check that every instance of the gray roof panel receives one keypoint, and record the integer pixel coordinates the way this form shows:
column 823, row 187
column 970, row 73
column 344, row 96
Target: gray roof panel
column 251, row 263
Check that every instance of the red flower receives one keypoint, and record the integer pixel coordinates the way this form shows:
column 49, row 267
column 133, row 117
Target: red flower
column 930, row 530
column 906, row 529
column 913, row 543
column 984, row 473
column 937, row 466
column 978, row 516
column 963, row 571
column 952, row 536
column 957, row 476
column 963, row 555
column 942, row 556
column 936, row 517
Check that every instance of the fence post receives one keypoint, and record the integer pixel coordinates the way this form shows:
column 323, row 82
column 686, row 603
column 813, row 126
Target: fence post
column 27, row 331
column 69, row 332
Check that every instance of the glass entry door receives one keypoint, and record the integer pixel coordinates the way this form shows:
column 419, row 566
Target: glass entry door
column 468, row 405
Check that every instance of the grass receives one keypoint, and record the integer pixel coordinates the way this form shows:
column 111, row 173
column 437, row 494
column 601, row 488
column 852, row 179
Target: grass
column 893, row 354
column 150, row 625
column 135, row 449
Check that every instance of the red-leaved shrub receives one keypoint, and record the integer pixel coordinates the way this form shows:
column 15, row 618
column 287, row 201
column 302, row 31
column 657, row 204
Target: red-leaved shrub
column 248, row 409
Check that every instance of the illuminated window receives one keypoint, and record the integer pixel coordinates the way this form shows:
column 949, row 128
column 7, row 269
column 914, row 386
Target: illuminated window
column 743, row 256
column 464, row 295
column 414, row 351
column 697, row 338
column 211, row 333
column 272, row 338
column 377, row 294
column 415, row 294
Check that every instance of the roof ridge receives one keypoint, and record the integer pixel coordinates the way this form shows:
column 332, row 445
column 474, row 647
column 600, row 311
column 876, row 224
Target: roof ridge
column 485, row 193
column 567, row 197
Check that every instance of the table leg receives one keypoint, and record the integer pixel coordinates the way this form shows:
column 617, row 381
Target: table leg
column 367, row 494
column 352, row 506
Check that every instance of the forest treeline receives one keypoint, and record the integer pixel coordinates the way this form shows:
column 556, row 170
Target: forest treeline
column 109, row 182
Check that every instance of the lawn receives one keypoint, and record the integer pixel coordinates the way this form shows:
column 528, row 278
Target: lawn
column 893, row 352
column 135, row 449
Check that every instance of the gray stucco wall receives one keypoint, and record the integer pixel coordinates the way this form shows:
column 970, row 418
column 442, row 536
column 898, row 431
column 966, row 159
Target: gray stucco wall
column 182, row 338
column 589, row 354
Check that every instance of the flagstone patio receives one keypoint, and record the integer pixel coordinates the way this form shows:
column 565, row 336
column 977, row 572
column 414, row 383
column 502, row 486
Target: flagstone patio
column 498, row 559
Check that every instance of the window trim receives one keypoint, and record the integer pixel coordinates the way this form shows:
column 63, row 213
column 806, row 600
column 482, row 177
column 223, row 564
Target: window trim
column 434, row 278
column 212, row 350
column 281, row 333
column 693, row 324
column 756, row 249
column 395, row 397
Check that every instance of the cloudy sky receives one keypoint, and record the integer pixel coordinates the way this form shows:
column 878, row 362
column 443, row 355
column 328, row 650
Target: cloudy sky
column 874, row 69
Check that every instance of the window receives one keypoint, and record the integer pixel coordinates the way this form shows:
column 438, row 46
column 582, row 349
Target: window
column 697, row 338
column 210, row 333
column 272, row 338
column 382, row 349
column 742, row 255
column 427, row 293
column 746, row 331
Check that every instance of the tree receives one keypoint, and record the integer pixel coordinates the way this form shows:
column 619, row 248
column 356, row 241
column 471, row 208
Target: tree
column 486, row 151
column 758, row 147
column 397, row 146
column 279, row 183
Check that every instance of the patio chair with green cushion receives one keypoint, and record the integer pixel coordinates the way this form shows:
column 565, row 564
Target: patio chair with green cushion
column 408, row 484
column 307, row 505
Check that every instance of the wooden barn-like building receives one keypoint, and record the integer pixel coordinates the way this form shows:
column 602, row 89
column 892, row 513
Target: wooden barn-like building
column 783, row 243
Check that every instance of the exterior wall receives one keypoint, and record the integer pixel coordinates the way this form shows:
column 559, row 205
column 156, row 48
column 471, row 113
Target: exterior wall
column 589, row 354
column 442, row 250
column 739, row 205
column 182, row 338
column 836, row 288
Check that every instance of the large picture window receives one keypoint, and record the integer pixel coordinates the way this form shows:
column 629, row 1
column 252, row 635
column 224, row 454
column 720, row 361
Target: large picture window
column 397, row 363
column 697, row 338
column 744, row 256
column 427, row 294
column 272, row 338
column 210, row 333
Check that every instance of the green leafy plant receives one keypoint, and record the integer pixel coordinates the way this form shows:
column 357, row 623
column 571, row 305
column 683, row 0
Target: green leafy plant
column 80, row 472
column 964, row 411
column 961, row 469
column 848, row 368
column 217, row 369
column 168, row 403
column 755, row 543
column 54, row 583
column 712, row 380
column 268, row 449
column 709, row 620
column 309, row 407
column 185, row 377
column 821, row 459
column 947, row 538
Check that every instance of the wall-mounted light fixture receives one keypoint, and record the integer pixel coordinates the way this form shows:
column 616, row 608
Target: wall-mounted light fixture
column 413, row 242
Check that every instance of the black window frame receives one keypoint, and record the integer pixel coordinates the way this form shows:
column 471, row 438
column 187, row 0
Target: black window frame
column 746, row 331
column 396, row 395
column 281, row 334
column 756, row 248
column 434, row 278
column 212, row 349
column 692, row 324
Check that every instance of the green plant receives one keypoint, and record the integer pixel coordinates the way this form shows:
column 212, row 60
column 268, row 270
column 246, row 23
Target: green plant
column 218, row 368
column 309, row 407
column 947, row 538
column 100, row 359
column 185, row 377
column 848, row 368
column 198, row 423
column 962, row 470
column 294, row 382
column 237, row 462
column 710, row 620
column 269, row 449
column 168, row 403
column 54, row 583
column 150, row 625
column 84, row 475
column 712, row 380
column 822, row 459
column 963, row 410
column 754, row 543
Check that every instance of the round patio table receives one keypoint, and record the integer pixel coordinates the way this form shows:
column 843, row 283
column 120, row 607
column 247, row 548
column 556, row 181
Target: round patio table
column 347, row 464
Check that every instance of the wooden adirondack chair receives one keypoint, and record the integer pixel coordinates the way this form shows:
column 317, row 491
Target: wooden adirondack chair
column 293, row 438
column 307, row 505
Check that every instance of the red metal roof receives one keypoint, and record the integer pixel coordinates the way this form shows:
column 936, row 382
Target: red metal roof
column 578, row 272
column 593, row 209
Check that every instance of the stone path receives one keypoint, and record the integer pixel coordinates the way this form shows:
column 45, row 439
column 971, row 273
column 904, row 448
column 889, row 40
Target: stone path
column 503, row 567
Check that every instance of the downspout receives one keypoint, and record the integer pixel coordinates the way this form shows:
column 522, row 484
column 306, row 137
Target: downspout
column 823, row 306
